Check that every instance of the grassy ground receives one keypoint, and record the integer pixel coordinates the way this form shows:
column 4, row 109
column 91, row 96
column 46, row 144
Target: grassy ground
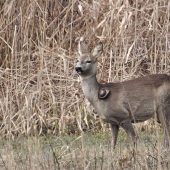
column 39, row 91
column 85, row 151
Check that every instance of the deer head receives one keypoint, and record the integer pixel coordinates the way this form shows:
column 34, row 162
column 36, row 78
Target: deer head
column 86, row 64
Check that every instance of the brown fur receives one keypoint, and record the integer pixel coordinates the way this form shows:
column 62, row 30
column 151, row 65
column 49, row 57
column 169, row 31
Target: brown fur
column 128, row 102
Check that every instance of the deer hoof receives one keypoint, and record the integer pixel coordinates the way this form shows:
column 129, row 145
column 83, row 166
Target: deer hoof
column 103, row 93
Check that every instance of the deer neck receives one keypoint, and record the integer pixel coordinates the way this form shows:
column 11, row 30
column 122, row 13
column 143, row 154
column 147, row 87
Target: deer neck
column 90, row 88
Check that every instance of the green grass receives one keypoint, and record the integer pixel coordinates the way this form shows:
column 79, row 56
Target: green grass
column 85, row 151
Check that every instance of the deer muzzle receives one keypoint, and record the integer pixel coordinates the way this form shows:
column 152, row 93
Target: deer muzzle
column 78, row 69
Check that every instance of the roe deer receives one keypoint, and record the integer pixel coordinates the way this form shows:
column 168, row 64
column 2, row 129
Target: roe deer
column 122, row 104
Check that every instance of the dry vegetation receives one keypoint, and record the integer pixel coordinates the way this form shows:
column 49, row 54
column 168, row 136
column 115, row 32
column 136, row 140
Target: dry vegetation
column 39, row 90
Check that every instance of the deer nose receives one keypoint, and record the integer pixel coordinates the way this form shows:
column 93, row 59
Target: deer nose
column 78, row 69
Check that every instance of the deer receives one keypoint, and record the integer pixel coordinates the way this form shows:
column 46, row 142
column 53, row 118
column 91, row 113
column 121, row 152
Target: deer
column 123, row 103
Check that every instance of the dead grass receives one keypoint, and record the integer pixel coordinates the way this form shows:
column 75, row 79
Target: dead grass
column 86, row 151
column 39, row 90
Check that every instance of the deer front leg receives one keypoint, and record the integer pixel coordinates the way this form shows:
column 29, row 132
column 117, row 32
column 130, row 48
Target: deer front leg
column 114, row 131
column 127, row 126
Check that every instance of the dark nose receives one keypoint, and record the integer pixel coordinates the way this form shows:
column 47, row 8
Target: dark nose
column 78, row 69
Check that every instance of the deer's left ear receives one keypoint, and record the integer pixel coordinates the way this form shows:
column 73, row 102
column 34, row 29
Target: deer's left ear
column 97, row 51
column 82, row 47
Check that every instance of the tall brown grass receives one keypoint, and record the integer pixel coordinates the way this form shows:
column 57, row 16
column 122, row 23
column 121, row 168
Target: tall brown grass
column 39, row 90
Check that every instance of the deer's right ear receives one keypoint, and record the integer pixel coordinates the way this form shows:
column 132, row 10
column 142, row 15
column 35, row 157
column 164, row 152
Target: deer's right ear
column 98, row 50
column 82, row 48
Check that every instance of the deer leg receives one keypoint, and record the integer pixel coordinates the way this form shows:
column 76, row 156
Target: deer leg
column 166, row 137
column 166, row 127
column 114, row 131
column 127, row 126
column 164, row 118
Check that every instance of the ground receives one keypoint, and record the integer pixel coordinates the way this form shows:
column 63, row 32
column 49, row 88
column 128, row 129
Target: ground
column 85, row 151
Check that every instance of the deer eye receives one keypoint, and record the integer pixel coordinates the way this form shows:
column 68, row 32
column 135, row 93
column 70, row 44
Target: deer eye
column 88, row 61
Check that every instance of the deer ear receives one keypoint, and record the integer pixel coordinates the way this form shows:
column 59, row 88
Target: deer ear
column 82, row 48
column 97, row 51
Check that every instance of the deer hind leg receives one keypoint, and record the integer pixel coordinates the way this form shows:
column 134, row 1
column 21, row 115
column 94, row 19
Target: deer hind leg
column 127, row 126
column 164, row 119
column 114, row 131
